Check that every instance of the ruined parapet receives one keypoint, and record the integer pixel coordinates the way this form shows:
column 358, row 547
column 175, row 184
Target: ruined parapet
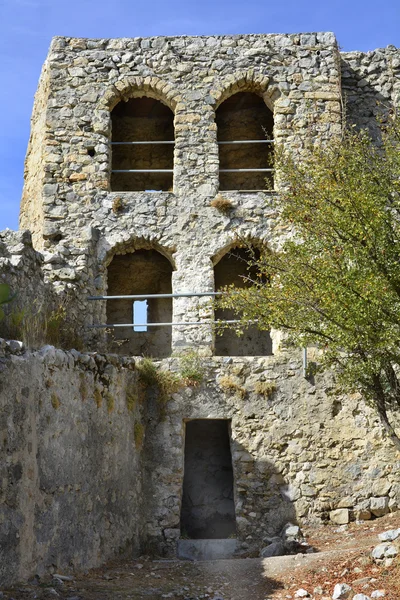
column 21, row 269
column 370, row 85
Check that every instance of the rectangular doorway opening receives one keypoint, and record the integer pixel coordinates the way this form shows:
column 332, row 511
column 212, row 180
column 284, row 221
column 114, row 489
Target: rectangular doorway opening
column 208, row 509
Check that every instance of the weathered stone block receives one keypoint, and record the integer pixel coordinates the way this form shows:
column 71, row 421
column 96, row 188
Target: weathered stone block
column 339, row 516
column 379, row 506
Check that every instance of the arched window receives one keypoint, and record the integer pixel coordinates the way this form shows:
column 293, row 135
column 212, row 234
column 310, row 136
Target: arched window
column 142, row 146
column 234, row 269
column 245, row 141
column 142, row 272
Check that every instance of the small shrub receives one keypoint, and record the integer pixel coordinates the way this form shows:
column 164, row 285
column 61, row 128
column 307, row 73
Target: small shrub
column 118, row 205
column 265, row 388
column 191, row 369
column 147, row 371
column 224, row 205
column 168, row 384
column 165, row 382
column 55, row 401
column 43, row 321
column 60, row 330
column 138, row 434
column 231, row 386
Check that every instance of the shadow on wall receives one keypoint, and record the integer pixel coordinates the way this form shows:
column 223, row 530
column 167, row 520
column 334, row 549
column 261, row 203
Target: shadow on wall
column 221, row 485
column 229, row 493
column 364, row 105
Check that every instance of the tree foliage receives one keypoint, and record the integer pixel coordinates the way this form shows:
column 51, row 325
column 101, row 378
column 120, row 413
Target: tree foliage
column 336, row 282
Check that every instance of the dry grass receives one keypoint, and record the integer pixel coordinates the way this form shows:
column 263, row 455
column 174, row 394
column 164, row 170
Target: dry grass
column 224, row 205
column 118, row 205
column 131, row 399
column 265, row 388
column 230, row 385
column 191, row 369
column 165, row 382
column 110, row 400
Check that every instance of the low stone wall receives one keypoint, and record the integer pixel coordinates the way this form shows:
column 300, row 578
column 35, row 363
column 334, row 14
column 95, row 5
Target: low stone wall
column 70, row 474
column 94, row 457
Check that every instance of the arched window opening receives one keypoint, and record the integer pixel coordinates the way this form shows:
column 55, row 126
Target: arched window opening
column 245, row 141
column 142, row 272
column 142, row 146
column 234, row 268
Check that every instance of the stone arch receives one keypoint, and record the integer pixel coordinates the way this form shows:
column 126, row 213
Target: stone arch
column 136, row 87
column 133, row 243
column 140, row 267
column 246, row 81
column 237, row 242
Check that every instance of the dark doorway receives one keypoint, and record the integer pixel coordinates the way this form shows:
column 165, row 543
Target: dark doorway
column 208, row 510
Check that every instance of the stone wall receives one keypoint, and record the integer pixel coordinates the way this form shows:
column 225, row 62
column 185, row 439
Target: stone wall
column 21, row 268
column 300, row 450
column 70, row 474
column 298, row 78
column 91, row 469
column 94, row 465
column 370, row 85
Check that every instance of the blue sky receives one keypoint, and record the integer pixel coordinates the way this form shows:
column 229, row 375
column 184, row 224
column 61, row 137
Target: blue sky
column 29, row 25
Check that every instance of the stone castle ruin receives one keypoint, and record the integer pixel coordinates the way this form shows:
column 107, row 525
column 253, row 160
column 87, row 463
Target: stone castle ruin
column 149, row 160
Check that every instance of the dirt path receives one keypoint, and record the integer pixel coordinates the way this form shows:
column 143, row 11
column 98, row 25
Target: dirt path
column 343, row 555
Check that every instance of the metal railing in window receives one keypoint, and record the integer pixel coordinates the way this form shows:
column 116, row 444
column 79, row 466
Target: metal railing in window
column 159, row 296
column 269, row 170
column 142, row 143
column 173, row 142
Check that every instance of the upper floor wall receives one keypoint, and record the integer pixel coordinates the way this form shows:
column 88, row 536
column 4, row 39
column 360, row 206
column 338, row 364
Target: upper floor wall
column 69, row 161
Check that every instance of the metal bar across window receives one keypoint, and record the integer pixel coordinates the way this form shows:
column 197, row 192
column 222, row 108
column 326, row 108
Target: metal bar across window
column 142, row 171
column 173, row 142
column 248, row 142
column 171, row 170
column 245, row 170
column 181, row 324
column 146, row 296
column 146, row 142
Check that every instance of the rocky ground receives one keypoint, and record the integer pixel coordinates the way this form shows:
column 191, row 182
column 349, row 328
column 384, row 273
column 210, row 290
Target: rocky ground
column 341, row 566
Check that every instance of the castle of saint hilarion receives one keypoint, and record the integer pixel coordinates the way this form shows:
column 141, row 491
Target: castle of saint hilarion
column 150, row 161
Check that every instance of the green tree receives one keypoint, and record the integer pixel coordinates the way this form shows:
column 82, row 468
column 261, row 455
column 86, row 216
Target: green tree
column 336, row 282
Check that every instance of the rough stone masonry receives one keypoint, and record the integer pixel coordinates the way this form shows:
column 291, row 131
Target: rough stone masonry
column 137, row 171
